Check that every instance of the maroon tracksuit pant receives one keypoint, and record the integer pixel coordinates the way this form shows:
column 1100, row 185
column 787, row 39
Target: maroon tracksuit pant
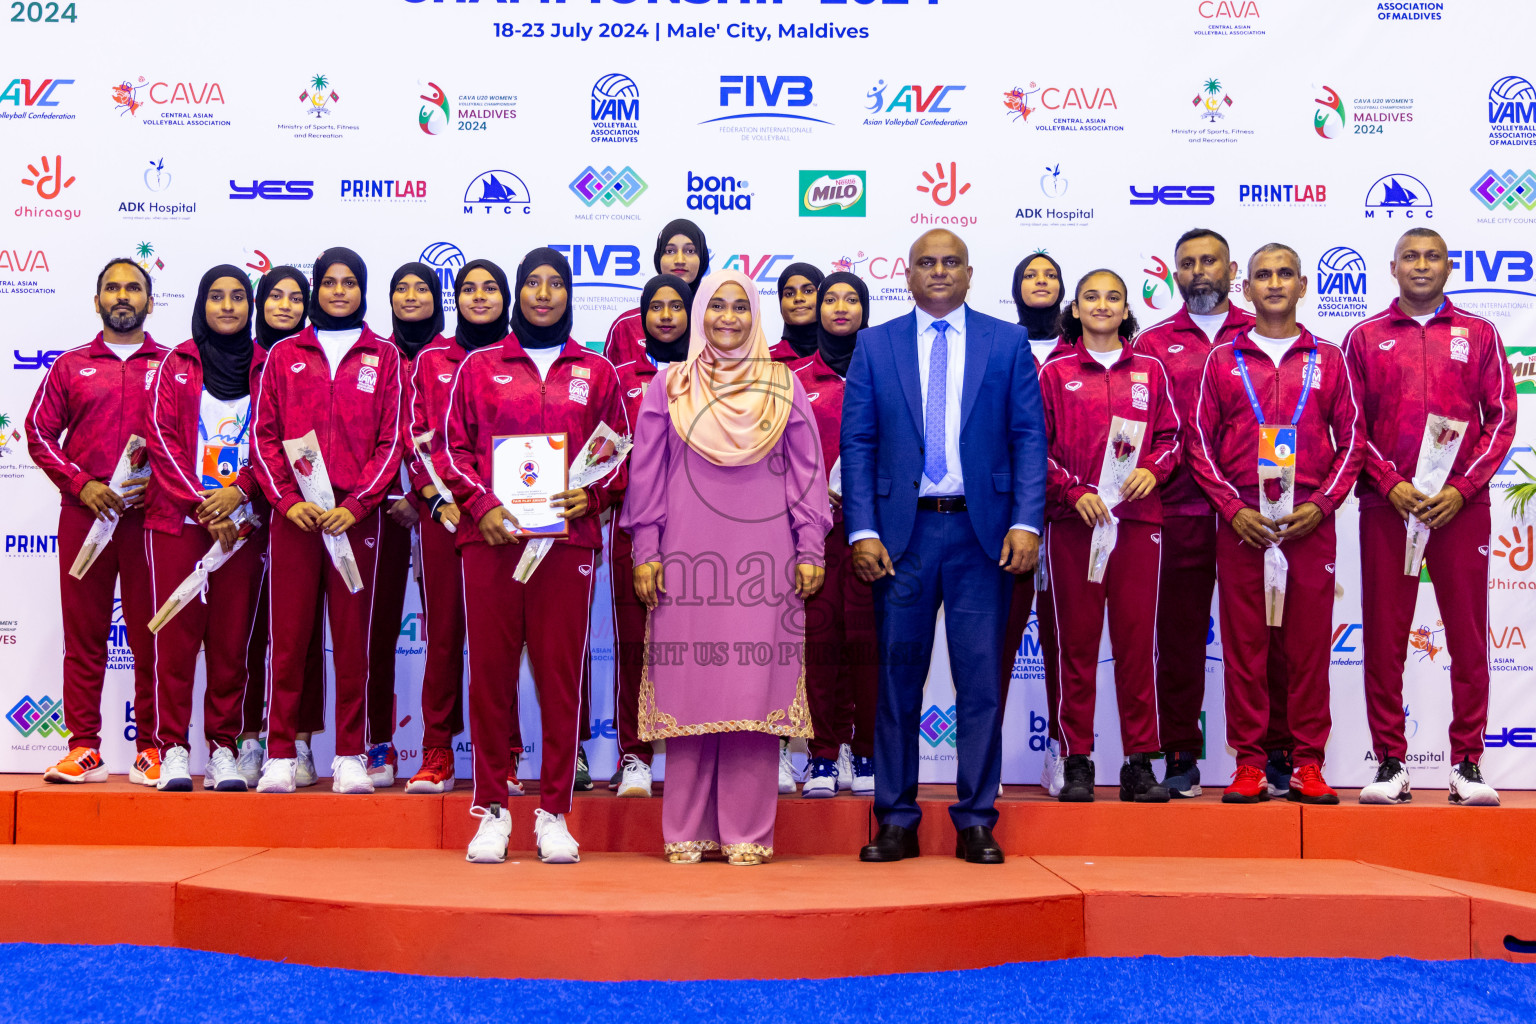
column 551, row 614
column 442, row 624
column 87, row 606
column 221, row 625
column 1183, row 624
column 1457, row 555
column 1025, row 598
column 311, row 715
column 301, row 574
column 629, row 644
column 1303, row 640
column 1130, row 589
column 842, row 671
column 394, row 575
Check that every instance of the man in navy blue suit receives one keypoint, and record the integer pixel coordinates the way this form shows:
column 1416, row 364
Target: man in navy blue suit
column 943, row 452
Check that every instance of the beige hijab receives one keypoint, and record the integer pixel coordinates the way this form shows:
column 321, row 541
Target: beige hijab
column 731, row 408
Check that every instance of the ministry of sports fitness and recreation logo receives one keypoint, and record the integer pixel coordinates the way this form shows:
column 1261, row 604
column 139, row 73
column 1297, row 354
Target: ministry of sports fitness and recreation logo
column 1512, row 190
column 1512, row 112
column 496, row 191
column 1399, row 197
column 832, row 193
column 318, row 97
column 144, row 256
column 42, row 717
column 1211, row 101
column 434, row 115
column 608, row 186
column 1328, row 117
column 615, row 109
column 1341, row 283
column 445, row 258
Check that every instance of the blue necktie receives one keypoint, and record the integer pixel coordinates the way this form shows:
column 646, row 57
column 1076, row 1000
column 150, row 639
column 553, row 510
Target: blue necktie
column 935, row 465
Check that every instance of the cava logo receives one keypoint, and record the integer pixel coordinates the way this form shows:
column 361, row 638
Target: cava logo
column 1399, row 197
column 608, row 186
column 169, row 104
column 1515, row 192
column 832, row 193
column 1512, row 112
column 1328, row 119
column 1341, row 283
column 615, row 109
column 34, row 99
column 1073, row 103
column 496, row 191
column 434, row 115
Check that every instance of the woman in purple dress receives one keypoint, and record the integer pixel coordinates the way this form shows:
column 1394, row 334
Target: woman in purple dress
column 727, row 505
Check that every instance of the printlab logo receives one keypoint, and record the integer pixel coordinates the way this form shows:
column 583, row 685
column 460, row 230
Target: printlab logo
column 156, row 177
column 608, row 186
column 318, row 97
column 1157, row 289
column 376, row 190
column 1328, row 120
column 42, row 717
column 496, row 191
column 49, row 181
column 832, row 193
column 31, row 545
column 615, row 109
column 1399, row 196
column 1512, row 112
column 938, row 726
column 1210, row 100
column 445, row 258
column 718, row 193
column 1422, row 639
column 1341, row 283
column 943, row 188
column 1509, row 189
column 20, row 95
column 434, row 115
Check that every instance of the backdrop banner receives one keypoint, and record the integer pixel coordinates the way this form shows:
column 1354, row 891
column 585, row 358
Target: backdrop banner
column 829, row 131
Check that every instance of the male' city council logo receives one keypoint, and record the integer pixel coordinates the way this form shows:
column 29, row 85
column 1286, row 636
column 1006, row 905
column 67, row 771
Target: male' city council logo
column 1509, row 188
column 608, row 186
column 938, row 725
column 42, row 717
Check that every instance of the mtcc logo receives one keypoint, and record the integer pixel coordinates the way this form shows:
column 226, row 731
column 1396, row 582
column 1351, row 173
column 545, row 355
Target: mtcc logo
column 608, row 186
column 938, row 725
column 42, row 717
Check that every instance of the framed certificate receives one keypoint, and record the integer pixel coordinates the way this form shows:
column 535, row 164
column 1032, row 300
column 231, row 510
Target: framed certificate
column 527, row 471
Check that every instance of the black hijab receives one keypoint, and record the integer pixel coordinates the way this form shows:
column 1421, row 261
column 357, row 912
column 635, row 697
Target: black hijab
column 413, row 335
column 837, row 352
column 667, row 351
column 472, row 336
column 265, row 332
column 801, row 337
column 683, row 226
column 322, row 320
column 226, row 357
column 1041, row 323
column 556, row 333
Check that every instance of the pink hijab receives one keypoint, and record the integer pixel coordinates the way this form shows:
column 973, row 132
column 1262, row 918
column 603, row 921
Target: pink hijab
column 732, row 407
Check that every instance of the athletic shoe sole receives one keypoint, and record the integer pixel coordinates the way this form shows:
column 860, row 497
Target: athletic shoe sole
column 1381, row 799
column 382, row 780
column 1295, row 796
column 863, row 788
column 486, row 858
column 636, row 791
column 138, row 778
column 227, row 786
column 430, row 787
column 1128, row 797
column 1075, row 798
column 1238, row 798
column 562, row 857
column 94, row 775
column 1186, row 794
column 351, row 791
column 1474, row 802
column 817, row 793
column 175, row 785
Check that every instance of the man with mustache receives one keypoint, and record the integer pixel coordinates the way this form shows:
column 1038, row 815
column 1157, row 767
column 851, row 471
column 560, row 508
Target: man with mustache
column 91, row 400
column 1276, row 378
column 1436, row 388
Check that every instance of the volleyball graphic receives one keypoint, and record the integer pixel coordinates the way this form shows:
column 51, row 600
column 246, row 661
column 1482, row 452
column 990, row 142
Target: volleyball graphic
column 615, row 87
column 1512, row 89
column 1341, row 259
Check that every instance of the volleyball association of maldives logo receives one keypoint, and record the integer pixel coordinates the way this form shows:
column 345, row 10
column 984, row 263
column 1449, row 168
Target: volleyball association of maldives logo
column 38, row 716
column 318, row 96
column 1511, row 189
column 435, row 114
column 1328, row 119
column 1210, row 99
column 1157, row 291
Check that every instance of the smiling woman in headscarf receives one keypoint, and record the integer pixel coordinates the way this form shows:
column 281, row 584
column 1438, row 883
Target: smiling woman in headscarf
column 799, row 306
column 199, row 448
column 680, row 251
column 664, row 304
column 537, row 386
column 1037, row 294
column 728, row 493
column 281, row 306
column 341, row 381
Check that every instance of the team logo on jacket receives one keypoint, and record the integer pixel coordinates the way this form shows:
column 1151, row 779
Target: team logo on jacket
column 367, row 380
column 87, row 371
column 444, row 378
column 181, row 378
column 813, row 396
column 585, row 570
column 1482, row 549
column 1386, row 346
column 1139, row 396
column 1157, row 538
column 368, row 541
column 502, row 378
column 296, row 367
column 578, row 390
column 1175, row 349
column 1329, row 567
column 1073, row 385
column 149, row 376
column 636, row 392
column 1460, row 349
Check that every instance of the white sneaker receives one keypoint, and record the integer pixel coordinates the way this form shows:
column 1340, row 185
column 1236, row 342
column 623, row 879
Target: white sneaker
column 175, row 777
column 349, row 774
column 1053, row 772
column 863, row 776
column 1468, row 787
column 222, row 774
column 305, row 773
column 844, row 768
column 277, row 776
column 248, row 764
column 555, row 842
column 786, row 769
column 637, row 777
column 1391, row 785
column 490, row 843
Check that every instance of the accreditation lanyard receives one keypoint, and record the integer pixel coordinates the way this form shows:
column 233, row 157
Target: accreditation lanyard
column 1253, row 398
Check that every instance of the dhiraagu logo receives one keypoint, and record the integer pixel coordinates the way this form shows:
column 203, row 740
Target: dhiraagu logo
column 832, row 193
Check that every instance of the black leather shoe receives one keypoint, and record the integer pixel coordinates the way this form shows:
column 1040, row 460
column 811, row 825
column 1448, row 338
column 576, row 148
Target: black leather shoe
column 892, row 842
column 977, row 846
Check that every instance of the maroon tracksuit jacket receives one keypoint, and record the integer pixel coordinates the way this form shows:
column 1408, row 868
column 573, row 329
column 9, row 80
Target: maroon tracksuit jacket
column 357, row 415
column 783, row 352
column 842, row 672
column 1081, row 397
column 1189, row 546
column 626, row 338
column 497, row 391
column 1454, row 366
column 88, row 404
column 224, row 622
column 1224, row 456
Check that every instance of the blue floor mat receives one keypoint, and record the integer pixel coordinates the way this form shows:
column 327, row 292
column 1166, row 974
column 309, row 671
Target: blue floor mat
column 87, row 984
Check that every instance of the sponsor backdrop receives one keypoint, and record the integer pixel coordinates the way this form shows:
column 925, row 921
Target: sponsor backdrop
column 832, row 131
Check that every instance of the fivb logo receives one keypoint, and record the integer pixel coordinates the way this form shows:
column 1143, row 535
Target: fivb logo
column 601, row 261
column 42, row 717
column 778, row 92
column 608, row 186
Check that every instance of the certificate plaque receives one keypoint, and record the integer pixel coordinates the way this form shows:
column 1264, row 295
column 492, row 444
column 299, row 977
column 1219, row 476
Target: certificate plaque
column 527, row 471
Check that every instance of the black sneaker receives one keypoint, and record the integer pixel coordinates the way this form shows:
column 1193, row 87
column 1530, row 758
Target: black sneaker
column 1078, row 787
column 1138, row 783
column 1278, row 771
column 583, row 773
column 1182, row 778
column 617, row 777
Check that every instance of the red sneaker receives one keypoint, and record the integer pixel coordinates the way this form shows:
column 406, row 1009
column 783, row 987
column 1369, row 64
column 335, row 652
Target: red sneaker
column 1248, row 786
column 1308, row 787
column 435, row 774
